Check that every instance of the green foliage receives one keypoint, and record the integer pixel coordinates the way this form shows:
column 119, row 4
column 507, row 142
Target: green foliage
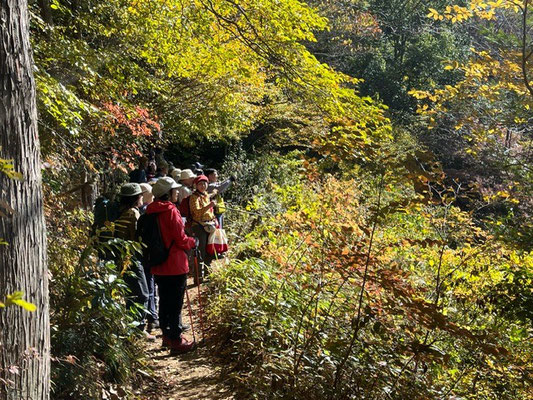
column 391, row 46
column 257, row 174
column 478, row 125
column 7, row 168
column 253, row 198
column 430, row 324
column 216, row 72
column 16, row 299
column 94, row 340
column 511, row 297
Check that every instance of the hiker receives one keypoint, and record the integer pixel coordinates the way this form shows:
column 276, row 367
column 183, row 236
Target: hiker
column 131, row 198
column 171, row 275
column 186, row 180
column 220, row 187
column 176, row 174
column 203, row 219
column 171, row 168
column 106, row 209
column 148, row 197
column 138, row 175
column 151, row 317
column 150, row 171
column 162, row 169
column 197, row 168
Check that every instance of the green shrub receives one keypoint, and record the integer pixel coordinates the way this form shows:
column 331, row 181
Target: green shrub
column 94, row 341
column 439, row 315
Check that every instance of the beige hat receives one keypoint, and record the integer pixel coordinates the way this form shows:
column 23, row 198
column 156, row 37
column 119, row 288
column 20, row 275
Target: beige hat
column 163, row 186
column 186, row 174
column 148, row 197
column 146, row 187
column 176, row 173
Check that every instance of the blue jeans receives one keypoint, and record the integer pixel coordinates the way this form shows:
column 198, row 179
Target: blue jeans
column 138, row 291
column 152, row 311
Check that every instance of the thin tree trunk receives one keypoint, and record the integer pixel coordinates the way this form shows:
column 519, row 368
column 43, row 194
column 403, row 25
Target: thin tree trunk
column 24, row 336
column 46, row 11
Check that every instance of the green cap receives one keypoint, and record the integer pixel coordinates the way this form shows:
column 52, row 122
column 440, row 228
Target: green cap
column 130, row 189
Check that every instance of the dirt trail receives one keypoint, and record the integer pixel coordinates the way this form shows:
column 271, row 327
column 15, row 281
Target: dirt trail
column 191, row 376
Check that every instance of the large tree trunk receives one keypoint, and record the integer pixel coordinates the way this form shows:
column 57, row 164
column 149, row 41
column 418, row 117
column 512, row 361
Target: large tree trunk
column 24, row 336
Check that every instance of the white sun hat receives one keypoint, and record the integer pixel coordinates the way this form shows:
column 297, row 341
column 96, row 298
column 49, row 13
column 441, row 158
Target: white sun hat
column 163, row 186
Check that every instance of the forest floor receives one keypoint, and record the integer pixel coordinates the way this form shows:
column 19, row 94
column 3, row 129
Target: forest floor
column 191, row 376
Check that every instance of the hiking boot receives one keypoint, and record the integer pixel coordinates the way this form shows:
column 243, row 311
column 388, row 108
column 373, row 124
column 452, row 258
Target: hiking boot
column 152, row 326
column 149, row 337
column 180, row 346
column 166, row 342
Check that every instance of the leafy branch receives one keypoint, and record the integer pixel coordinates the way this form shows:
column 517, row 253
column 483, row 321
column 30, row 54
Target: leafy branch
column 16, row 299
column 7, row 168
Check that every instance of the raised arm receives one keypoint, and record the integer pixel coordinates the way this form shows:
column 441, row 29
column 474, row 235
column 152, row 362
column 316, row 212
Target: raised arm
column 221, row 187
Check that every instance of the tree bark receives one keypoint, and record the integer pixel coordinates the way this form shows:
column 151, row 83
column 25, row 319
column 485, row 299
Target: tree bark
column 24, row 335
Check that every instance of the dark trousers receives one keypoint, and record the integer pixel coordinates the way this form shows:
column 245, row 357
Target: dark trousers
column 136, row 282
column 152, row 310
column 205, row 259
column 171, row 293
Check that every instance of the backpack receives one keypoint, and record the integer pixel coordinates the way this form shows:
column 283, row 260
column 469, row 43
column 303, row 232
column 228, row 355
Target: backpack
column 105, row 210
column 149, row 233
column 185, row 208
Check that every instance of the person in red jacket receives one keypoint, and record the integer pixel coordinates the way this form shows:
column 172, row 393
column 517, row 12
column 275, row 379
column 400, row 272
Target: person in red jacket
column 171, row 276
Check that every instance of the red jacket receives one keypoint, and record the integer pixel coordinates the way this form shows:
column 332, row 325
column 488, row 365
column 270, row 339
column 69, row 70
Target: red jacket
column 171, row 226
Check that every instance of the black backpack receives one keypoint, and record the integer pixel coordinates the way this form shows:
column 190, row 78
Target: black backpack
column 105, row 210
column 149, row 233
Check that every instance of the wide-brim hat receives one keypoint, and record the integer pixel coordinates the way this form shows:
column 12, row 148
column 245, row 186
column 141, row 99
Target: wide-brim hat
column 146, row 187
column 130, row 189
column 186, row 174
column 163, row 186
column 176, row 173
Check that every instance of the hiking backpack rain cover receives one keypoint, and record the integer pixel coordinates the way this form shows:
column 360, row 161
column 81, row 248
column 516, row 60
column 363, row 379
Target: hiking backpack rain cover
column 148, row 231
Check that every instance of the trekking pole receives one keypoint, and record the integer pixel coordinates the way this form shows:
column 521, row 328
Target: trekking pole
column 190, row 314
column 200, row 307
